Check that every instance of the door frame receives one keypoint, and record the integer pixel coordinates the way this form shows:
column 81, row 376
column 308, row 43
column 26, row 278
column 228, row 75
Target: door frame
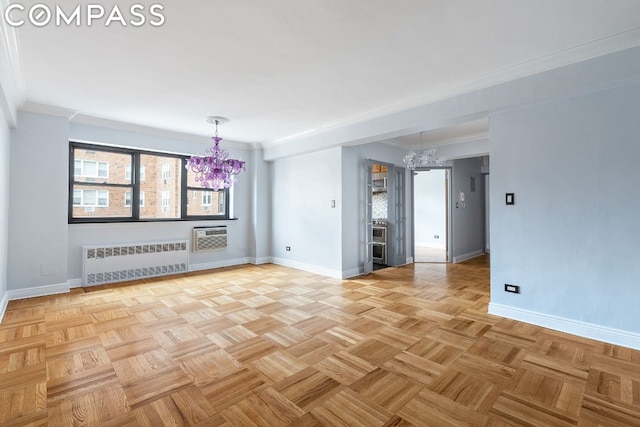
column 449, row 199
column 368, row 219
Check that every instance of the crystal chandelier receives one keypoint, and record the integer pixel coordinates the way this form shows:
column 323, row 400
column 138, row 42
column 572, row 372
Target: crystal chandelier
column 428, row 157
column 215, row 170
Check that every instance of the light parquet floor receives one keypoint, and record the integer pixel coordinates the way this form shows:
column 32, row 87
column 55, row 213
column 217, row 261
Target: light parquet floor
column 271, row 346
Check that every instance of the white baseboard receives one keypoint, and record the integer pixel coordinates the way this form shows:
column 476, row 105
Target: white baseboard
column 347, row 274
column 574, row 327
column 262, row 260
column 467, row 256
column 40, row 291
column 74, row 283
column 220, row 264
column 4, row 301
column 308, row 267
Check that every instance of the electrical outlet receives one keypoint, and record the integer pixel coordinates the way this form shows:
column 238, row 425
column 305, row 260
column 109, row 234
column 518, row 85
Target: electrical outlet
column 288, row 248
column 514, row 289
column 436, row 236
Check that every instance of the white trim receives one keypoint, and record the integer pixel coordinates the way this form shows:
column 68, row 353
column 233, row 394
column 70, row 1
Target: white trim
column 4, row 302
column 219, row 264
column 12, row 86
column 467, row 256
column 40, row 291
column 337, row 274
column 574, row 327
column 347, row 274
column 74, row 283
column 262, row 260
column 48, row 110
column 148, row 130
column 572, row 55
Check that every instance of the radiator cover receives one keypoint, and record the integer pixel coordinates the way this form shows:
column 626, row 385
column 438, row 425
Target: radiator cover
column 121, row 262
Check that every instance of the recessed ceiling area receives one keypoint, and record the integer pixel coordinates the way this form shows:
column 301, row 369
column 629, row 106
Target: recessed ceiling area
column 474, row 129
column 287, row 68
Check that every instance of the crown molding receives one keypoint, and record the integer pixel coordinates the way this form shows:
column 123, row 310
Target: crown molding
column 582, row 52
column 148, row 130
column 12, row 86
column 48, row 110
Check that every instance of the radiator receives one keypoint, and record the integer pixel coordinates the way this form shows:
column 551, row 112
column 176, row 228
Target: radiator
column 117, row 263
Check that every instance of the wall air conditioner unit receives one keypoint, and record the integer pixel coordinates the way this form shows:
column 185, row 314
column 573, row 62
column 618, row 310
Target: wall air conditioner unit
column 209, row 238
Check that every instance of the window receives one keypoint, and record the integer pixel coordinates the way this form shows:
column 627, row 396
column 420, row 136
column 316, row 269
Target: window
column 127, row 199
column 91, row 198
column 213, row 203
column 127, row 172
column 91, row 169
column 166, row 171
column 104, row 179
column 206, row 198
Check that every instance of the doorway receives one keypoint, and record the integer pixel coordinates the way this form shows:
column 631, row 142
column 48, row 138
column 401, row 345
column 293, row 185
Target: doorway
column 385, row 222
column 431, row 228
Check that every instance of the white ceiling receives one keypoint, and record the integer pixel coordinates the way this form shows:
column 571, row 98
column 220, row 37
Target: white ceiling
column 283, row 68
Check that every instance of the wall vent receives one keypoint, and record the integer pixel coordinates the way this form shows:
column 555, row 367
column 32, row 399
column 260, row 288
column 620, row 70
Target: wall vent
column 117, row 263
column 209, row 238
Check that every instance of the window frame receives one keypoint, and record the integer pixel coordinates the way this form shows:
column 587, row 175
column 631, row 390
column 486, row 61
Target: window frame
column 134, row 187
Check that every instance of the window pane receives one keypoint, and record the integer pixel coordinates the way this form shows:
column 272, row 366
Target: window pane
column 213, row 203
column 103, row 186
column 100, row 203
column 103, row 170
column 161, row 190
column 89, row 168
column 102, row 166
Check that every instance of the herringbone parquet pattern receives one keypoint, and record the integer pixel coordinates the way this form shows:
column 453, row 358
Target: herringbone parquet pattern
column 271, row 346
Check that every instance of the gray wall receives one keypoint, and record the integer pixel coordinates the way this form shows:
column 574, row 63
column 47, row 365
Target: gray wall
column 261, row 193
column 46, row 251
column 302, row 216
column 241, row 236
column 468, row 217
column 4, row 211
column 571, row 239
column 38, row 202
